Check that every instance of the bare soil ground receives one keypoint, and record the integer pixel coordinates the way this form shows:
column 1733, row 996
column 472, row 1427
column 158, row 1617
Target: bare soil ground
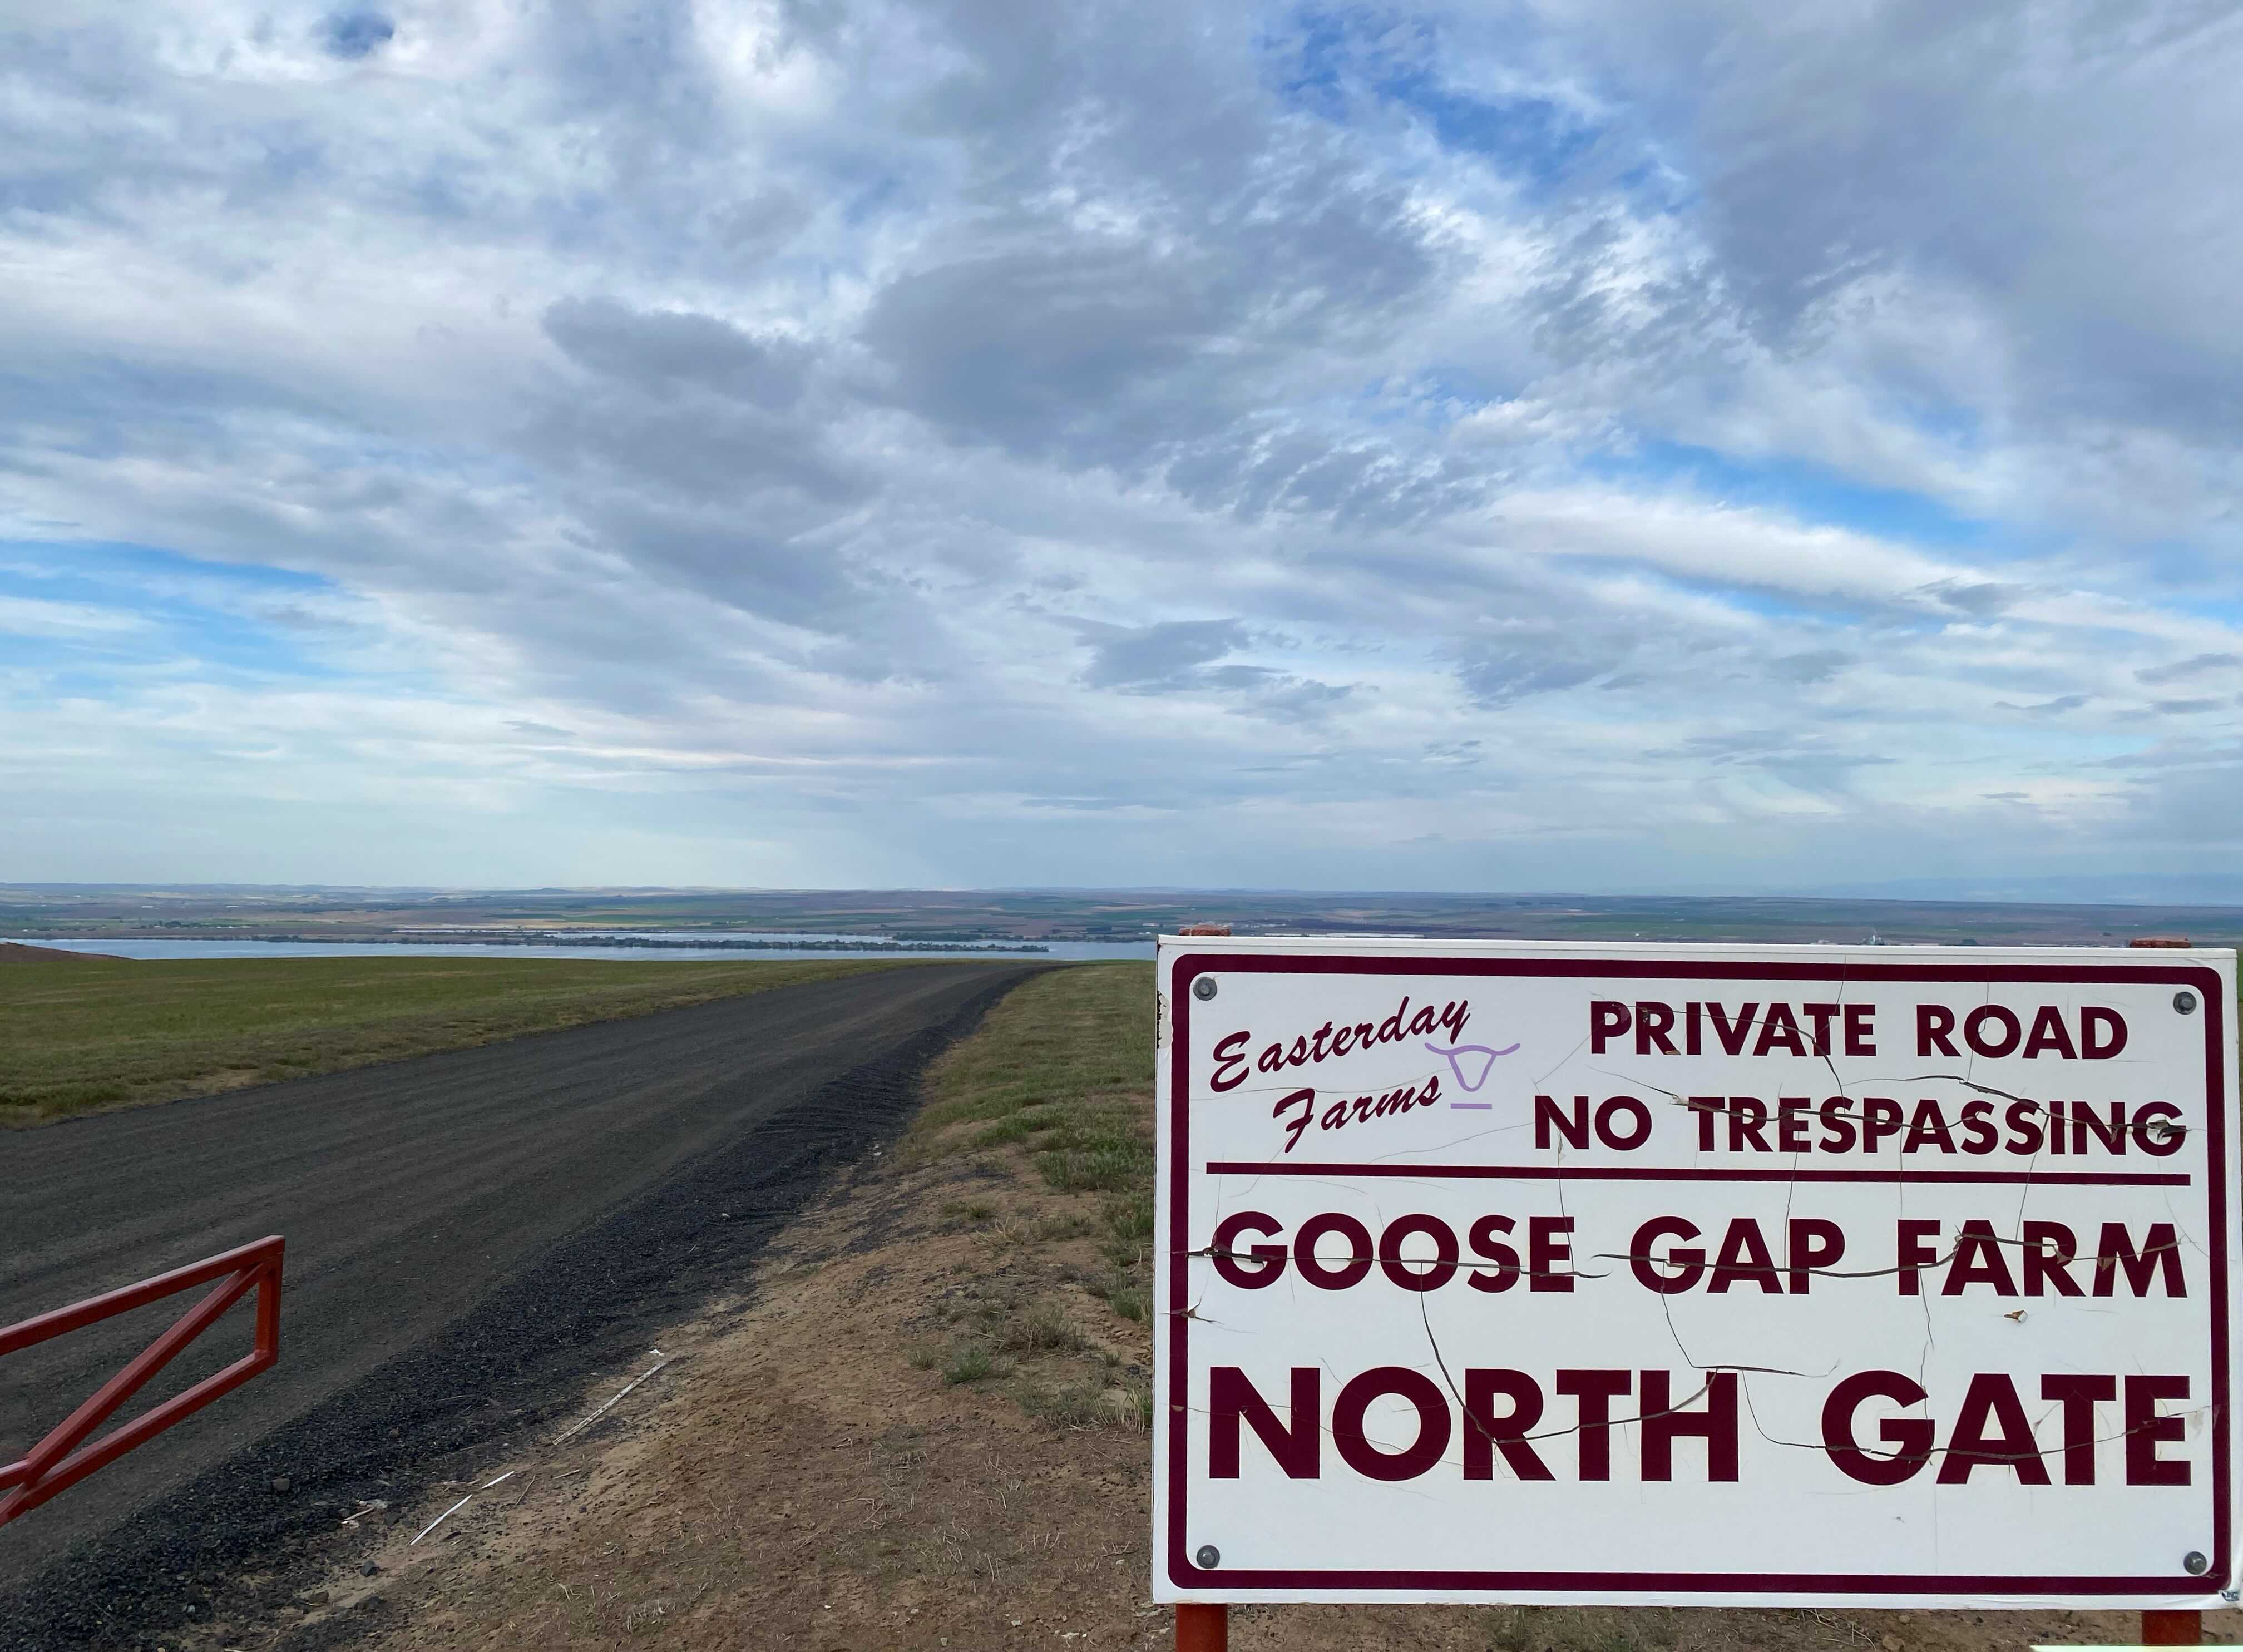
column 923, row 1424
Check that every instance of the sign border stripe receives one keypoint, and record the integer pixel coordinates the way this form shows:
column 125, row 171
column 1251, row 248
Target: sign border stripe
column 1183, row 1574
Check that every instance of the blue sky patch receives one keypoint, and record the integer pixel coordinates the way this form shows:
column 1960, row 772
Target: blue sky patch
column 1807, row 492
column 1335, row 56
column 355, row 35
column 99, row 608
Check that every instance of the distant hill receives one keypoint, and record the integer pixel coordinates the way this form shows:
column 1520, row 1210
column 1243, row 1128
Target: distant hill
column 15, row 952
column 2025, row 912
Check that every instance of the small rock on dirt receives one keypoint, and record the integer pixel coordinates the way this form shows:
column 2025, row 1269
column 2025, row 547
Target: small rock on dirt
column 279, row 1482
column 370, row 1569
column 1890, row 1644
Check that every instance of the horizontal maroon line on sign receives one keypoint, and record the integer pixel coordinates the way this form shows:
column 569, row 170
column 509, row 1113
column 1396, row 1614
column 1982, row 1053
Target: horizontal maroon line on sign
column 1644, row 1173
column 1186, row 1576
column 1200, row 963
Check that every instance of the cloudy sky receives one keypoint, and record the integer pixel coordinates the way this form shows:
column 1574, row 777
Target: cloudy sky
column 1613, row 447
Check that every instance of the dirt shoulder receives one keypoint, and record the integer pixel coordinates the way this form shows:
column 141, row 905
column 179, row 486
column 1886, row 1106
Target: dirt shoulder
column 923, row 1423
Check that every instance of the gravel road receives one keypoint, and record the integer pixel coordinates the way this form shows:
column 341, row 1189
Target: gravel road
column 469, row 1236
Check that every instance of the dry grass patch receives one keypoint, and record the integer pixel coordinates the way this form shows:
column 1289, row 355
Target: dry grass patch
column 1058, row 1082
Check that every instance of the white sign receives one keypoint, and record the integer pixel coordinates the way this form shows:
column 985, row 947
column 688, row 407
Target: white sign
column 1740, row 1275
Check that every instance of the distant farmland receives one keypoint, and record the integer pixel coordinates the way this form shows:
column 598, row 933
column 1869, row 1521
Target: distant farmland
column 31, row 912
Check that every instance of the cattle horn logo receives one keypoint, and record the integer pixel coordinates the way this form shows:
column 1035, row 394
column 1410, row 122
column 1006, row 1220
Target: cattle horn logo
column 1464, row 1059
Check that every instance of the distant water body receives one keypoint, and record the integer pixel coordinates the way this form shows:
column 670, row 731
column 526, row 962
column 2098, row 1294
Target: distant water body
column 771, row 946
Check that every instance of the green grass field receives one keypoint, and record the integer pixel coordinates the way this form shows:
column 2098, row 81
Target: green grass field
column 1063, row 1064
column 1064, row 1067
column 80, row 1037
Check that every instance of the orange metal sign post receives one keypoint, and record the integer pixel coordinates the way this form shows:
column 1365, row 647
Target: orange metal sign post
column 1203, row 1628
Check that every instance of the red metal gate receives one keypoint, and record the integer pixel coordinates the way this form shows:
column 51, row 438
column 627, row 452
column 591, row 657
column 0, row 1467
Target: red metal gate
column 61, row 1461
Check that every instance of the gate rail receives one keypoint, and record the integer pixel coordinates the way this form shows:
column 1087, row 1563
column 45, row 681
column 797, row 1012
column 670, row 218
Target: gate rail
column 61, row 1461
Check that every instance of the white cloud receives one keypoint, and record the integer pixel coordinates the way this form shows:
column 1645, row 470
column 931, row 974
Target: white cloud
column 34, row 617
column 945, row 442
